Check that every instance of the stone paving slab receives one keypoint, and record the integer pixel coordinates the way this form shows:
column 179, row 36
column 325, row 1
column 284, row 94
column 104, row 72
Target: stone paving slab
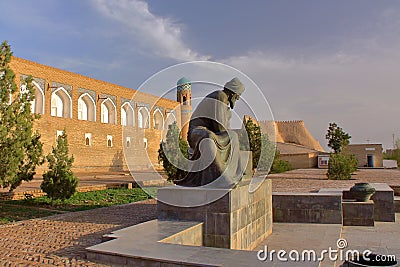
column 139, row 246
column 383, row 238
column 303, row 236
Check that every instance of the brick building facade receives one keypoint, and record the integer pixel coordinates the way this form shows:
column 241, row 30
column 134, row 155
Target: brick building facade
column 368, row 155
column 102, row 120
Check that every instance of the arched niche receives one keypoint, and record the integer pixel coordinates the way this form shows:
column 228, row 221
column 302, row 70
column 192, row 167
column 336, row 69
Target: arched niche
column 37, row 105
column 170, row 119
column 127, row 115
column 158, row 120
column 86, row 108
column 61, row 103
column 143, row 117
column 108, row 112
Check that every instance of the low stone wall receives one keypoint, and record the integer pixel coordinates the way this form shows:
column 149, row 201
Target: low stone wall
column 289, row 207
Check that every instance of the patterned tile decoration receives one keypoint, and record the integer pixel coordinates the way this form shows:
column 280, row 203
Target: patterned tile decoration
column 182, row 87
column 56, row 85
column 173, row 111
column 124, row 100
column 159, row 108
column 41, row 82
column 111, row 97
column 87, row 91
column 142, row 104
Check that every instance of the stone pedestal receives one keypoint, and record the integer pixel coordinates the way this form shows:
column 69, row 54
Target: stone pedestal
column 238, row 218
column 383, row 202
column 397, row 204
column 358, row 213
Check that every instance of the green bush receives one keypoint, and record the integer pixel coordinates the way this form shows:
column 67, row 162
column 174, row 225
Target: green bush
column 341, row 166
column 59, row 182
column 173, row 146
column 278, row 165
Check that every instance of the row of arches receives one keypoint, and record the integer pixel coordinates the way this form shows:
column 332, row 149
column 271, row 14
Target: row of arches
column 61, row 106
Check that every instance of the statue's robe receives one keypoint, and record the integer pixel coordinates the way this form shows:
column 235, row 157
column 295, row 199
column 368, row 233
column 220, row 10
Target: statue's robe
column 211, row 120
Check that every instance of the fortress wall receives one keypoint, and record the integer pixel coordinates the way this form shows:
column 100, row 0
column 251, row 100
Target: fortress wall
column 296, row 132
column 98, row 156
column 290, row 132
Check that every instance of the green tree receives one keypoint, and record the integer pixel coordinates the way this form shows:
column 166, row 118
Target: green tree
column 341, row 163
column 341, row 166
column 251, row 140
column 20, row 147
column 337, row 138
column 267, row 155
column 169, row 151
column 59, row 182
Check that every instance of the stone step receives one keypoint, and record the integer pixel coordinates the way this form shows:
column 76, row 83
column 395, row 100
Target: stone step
column 397, row 204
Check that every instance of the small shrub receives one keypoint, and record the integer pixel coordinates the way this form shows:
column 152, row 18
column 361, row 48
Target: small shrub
column 341, row 166
column 278, row 165
column 59, row 182
column 174, row 146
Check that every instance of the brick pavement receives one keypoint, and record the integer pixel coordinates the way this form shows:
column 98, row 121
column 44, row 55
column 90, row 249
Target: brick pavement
column 307, row 180
column 60, row 240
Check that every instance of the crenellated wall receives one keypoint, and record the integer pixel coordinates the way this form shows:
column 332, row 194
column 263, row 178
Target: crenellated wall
column 293, row 131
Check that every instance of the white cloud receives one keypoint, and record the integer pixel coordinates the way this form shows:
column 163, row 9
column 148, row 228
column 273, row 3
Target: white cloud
column 159, row 34
column 359, row 91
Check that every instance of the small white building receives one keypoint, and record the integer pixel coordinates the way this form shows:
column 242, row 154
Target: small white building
column 323, row 160
column 390, row 164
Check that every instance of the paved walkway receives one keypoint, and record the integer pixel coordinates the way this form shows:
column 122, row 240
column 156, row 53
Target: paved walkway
column 300, row 180
column 60, row 240
column 306, row 180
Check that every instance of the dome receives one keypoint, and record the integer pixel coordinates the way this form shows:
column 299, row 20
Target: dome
column 183, row 81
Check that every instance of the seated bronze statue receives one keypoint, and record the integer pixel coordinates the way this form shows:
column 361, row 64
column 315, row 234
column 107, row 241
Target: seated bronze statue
column 214, row 148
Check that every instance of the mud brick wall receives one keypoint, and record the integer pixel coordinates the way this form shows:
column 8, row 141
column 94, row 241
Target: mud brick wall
column 307, row 207
column 98, row 156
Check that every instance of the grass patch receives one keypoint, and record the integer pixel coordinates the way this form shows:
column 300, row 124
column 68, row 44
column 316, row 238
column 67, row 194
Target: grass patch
column 15, row 210
column 12, row 213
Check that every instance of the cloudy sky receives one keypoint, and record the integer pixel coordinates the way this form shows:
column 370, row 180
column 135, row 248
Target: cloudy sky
column 318, row 61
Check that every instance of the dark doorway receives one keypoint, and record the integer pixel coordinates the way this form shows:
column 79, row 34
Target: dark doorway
column 370, row 161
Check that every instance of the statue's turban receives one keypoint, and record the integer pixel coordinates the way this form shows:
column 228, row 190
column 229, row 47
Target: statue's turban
column 235, row 85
